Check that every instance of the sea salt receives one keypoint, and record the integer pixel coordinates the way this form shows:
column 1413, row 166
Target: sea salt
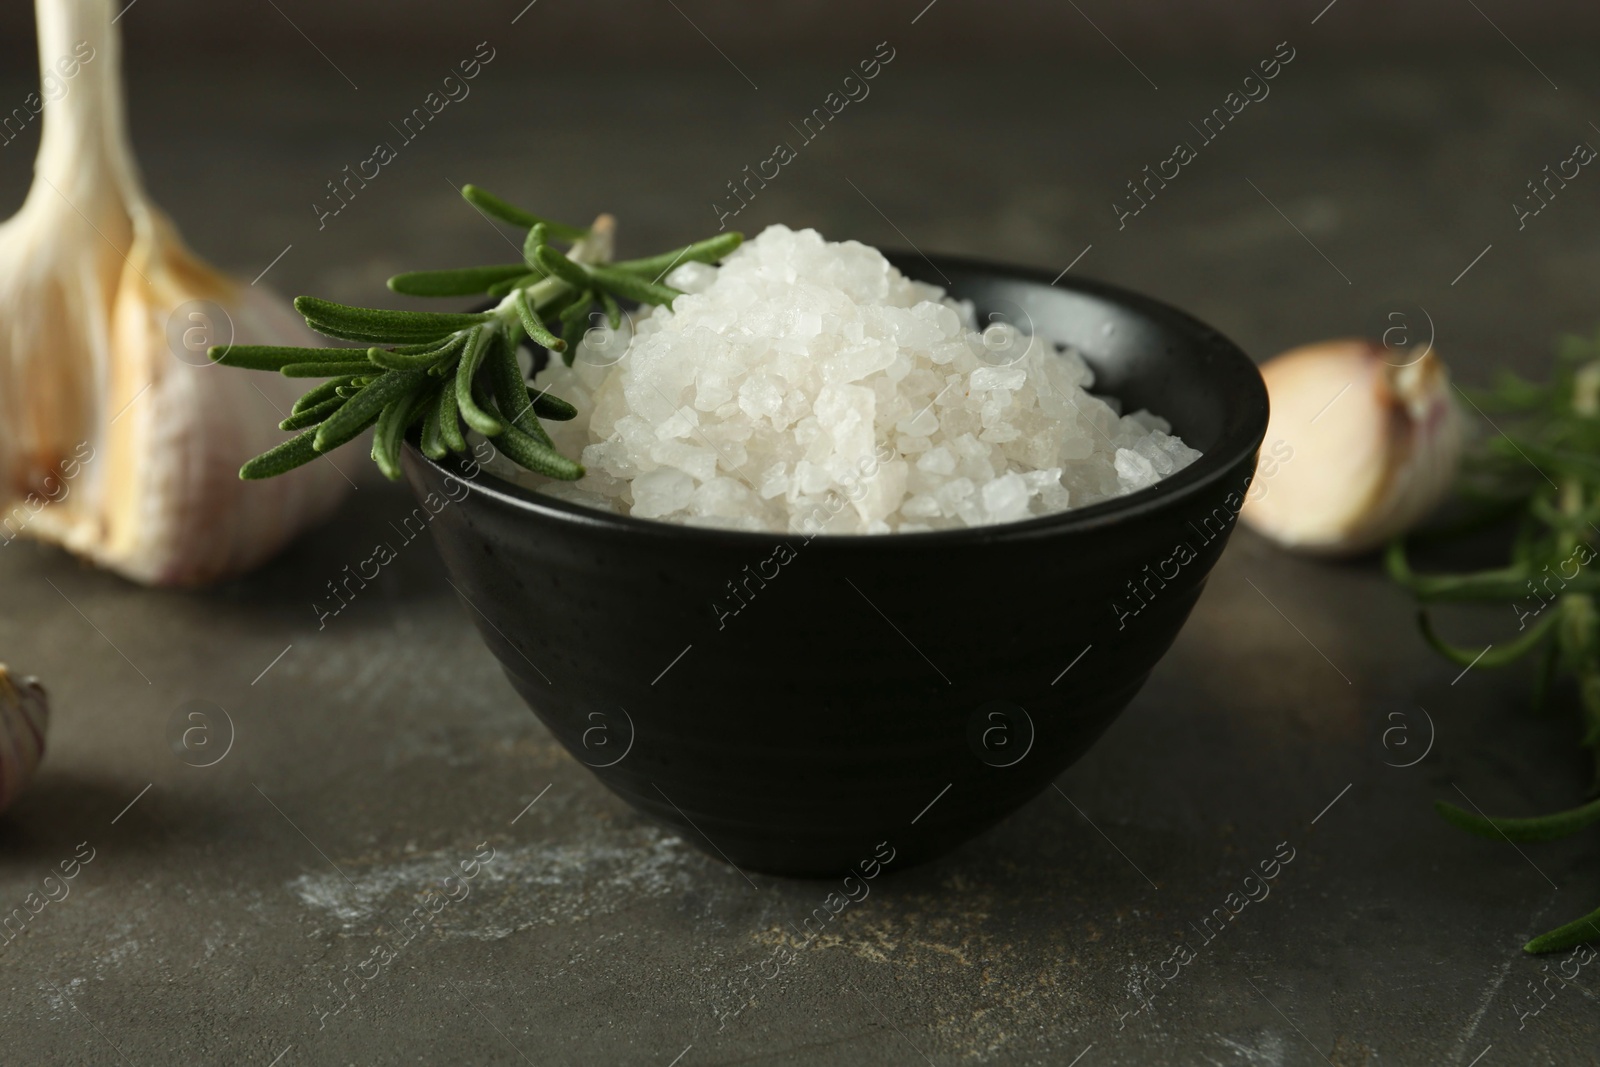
column 808, row 385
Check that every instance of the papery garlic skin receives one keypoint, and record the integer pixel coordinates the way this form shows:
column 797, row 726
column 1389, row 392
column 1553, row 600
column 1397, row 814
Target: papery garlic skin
column 1363, row 446
column 91, row 273
column 24, row 721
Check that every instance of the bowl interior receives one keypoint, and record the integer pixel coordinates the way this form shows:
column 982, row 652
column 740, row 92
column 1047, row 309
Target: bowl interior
column 1144, row 353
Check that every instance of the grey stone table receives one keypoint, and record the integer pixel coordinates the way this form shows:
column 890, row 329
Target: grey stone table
column 225, row 905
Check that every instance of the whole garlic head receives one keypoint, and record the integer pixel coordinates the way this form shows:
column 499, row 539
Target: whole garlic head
column 1358, row 447
column 24, row 720
column 114, row 442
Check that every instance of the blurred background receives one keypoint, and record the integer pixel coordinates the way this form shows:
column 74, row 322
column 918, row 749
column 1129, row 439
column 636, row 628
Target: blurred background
column 1395, row 141
column 654, row 32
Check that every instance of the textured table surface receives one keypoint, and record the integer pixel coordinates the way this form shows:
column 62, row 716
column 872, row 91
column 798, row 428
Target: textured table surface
column 225, row 904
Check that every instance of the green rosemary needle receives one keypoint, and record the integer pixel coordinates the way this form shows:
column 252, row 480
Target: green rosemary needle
column 430, row 371
column 1544, row 471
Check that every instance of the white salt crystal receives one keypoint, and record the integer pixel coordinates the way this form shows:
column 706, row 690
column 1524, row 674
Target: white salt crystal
column 1000, row 433
column 812, row 479
column 1055, row 498
column 881, row 492
column 858, row 361
column 923, row 423
column 1006, row 498
column 692, row 277
column 1042, row 479
column 724, row 497
column 986, row 378
column 661, row 492
column 774, row 481
column 952, row 493
column 700, row 463
column 1134, row 471
column 969, row 447
column 1159, row 457
column 937, row 460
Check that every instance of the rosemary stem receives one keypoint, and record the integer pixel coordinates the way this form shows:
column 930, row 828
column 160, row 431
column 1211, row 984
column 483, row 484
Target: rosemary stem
column 593, row 251
column 421, row 367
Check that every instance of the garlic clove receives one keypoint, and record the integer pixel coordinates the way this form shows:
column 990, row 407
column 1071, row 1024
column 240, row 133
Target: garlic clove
column 171, row 509
column 113, row 443
column 24, row 721
column 1358, row 448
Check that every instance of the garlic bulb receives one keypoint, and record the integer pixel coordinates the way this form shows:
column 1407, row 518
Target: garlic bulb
column 24, row 720
column 115, row 442
column 1358, row 448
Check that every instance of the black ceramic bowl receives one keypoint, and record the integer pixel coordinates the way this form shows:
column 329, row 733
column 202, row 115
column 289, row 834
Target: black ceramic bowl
column 874, row 696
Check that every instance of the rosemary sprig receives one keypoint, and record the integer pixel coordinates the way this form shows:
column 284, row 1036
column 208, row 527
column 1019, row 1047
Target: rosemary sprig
column 1544, row 469
column 427, row 370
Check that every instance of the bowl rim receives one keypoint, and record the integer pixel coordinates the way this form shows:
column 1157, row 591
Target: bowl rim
column 1241, row 437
